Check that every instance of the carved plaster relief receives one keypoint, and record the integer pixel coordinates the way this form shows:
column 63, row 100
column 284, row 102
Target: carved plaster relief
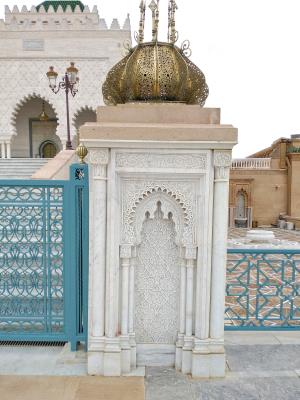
column 180, row 195
column 157, row 282
column 99, row 159
column 154, row 160
column 222, row 164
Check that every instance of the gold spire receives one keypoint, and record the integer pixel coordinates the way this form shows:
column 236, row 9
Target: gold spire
column 154, row 7
column 156, row 71
column 172, row 33
column 142, row 21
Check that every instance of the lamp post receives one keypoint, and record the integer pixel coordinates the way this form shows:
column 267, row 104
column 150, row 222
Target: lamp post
column 69, row 84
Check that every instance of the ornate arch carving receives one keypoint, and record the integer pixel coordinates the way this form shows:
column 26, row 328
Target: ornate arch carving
column 80, row 110
column 169, row 206
column 25, row 100
column 176, row 198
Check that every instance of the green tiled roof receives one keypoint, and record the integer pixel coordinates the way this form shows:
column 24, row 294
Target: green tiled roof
column 63, row 3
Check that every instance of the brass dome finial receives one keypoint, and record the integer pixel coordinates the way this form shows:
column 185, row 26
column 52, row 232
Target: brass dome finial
column 81, row 152
column 156, row 71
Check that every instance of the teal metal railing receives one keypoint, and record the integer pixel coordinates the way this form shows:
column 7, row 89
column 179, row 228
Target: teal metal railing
column 262, row 289
column 44, row 258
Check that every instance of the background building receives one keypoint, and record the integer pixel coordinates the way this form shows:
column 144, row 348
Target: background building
column 52, row 33
column 266, row 186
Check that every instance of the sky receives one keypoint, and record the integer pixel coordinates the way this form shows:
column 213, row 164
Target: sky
column 249, row 52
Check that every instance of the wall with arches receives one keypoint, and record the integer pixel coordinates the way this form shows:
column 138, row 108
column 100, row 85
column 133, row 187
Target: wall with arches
column 24, row 62
column 32, row 132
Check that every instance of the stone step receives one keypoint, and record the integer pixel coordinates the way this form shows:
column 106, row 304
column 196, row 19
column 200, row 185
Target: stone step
column 20, row 168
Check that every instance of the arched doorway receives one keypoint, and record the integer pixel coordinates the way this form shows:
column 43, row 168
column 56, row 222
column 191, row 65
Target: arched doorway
column 86, row 114
column 48, row 149
column 241, row 204
column 33, row 131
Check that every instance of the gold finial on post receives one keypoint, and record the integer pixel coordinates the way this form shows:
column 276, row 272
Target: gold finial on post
column 172, row 34
column 154, row 7
column 142, row 21
column 81, row 152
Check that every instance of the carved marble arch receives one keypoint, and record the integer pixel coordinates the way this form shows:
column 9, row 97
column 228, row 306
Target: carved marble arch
column 178, row 196
column 171, row 208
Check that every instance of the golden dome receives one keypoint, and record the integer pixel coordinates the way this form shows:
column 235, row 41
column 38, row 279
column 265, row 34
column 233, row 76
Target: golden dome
column 155, row 72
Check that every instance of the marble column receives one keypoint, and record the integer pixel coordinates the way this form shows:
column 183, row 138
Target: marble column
column 3, row 150
column 180, row 336
column 222, row 163
column 131, row 309
column 98, row 160
column 190, row 256
column 125, row 256
column 8, row 149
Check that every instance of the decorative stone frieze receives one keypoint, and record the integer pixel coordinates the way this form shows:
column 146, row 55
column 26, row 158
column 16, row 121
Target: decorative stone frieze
column 174, row 161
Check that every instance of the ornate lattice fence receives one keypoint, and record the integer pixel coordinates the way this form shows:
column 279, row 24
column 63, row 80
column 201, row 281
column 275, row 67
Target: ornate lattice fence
column 263, row 289
column 43, row 258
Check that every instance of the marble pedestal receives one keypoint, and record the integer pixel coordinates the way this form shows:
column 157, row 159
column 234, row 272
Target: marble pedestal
column 158, row 232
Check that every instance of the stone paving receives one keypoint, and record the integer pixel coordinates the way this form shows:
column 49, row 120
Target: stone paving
column 260, row 366
column 262, row 369
column 281, row 234
column 165, row 384
column 71, row 388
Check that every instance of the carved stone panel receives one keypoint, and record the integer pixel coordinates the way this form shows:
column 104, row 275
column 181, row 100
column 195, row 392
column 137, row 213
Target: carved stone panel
column 182, row 195
column 157, row 282
column 156, row 160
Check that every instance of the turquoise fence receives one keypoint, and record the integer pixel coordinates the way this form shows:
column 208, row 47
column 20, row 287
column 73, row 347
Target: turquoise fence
column 44, row 259
column 262, row 289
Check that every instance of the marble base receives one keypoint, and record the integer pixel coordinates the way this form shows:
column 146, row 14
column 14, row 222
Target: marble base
column 208, row 360
column 95, row 363
column 111, row 357
column 155, row 355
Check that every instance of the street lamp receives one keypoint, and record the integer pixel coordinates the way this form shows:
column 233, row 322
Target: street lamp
column 69, row 83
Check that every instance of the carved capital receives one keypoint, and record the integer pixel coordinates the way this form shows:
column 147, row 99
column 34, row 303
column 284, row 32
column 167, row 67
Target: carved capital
column 125, row 251
column 222, row 158
column 222, row 164
column 191, row 253
column 99, row 156
column 99, row 159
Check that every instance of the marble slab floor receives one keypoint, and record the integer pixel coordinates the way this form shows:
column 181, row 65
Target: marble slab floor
column 260, row 366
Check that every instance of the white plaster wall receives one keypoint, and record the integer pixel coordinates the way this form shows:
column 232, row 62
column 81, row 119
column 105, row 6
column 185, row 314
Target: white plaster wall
column 93, row 47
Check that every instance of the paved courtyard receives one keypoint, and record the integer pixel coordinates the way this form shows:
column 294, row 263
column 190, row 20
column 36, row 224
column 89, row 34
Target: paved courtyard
column 281, row 234
column 260, row 366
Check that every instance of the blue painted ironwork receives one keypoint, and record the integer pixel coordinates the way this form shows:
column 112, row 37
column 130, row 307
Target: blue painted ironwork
column 263, row 289
column 44, row 258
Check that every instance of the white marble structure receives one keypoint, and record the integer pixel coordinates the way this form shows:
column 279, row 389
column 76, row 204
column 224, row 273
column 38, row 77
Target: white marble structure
column 33, row 39
column 158, row 232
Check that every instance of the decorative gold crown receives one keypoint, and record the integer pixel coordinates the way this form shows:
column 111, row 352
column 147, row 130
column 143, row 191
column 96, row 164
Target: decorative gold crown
column 156, row 71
